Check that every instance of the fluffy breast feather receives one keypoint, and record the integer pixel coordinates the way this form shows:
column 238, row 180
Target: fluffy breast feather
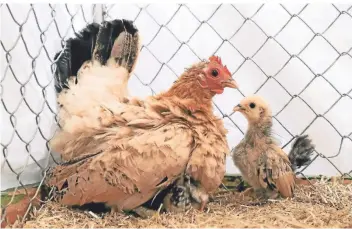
column 125, row 155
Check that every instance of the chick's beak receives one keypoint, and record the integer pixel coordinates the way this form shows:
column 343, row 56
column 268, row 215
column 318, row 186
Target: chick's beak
column 230, row 83
column 237, row 108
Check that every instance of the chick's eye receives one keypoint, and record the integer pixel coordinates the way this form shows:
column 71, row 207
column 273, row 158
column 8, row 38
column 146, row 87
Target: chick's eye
column 214, row 73
column 252, row 105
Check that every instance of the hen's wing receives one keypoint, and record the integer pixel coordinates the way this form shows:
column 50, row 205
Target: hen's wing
column 122, row 170
column 207, row 162
column 274, row 171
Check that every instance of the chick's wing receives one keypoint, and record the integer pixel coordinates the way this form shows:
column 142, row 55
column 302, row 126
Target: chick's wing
column 274, row 171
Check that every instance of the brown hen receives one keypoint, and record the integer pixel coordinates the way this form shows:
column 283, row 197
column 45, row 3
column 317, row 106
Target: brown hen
column 121, row 151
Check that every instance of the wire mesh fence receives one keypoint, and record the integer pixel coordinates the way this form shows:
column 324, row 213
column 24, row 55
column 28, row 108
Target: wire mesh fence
column 298, row 57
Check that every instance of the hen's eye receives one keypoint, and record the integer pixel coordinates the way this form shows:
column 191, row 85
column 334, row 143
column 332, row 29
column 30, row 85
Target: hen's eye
column 252, row 105
column 214, row 73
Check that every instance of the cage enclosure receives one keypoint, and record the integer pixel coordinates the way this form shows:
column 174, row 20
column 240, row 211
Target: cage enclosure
column 297, row 56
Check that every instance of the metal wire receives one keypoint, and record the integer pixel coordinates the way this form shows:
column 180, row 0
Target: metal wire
column 10, row 69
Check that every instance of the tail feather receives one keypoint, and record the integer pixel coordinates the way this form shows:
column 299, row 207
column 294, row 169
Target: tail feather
column 118, row 44
column 128, row 45
column 301, row 152
column 114, row 43
column 104, row 43
column 76, row 51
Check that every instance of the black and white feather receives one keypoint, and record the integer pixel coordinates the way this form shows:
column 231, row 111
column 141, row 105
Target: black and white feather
column 118, row 39
column 75, row 52
column 301, row 152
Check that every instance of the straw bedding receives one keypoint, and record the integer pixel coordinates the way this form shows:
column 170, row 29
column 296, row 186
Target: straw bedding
column 323, row 204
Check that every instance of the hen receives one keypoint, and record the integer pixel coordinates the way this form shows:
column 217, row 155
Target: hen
column 121, row 151
column 263, row 164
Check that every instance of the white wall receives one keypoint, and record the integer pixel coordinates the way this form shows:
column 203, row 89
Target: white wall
column 183, row 41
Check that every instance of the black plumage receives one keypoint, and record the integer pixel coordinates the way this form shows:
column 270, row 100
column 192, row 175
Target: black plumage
column 75, row 52
column 80, row 49
column 301, row 152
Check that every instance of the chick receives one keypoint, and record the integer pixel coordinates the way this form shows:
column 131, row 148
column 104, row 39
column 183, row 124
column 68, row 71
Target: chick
column 263, row 164
column 185, row 193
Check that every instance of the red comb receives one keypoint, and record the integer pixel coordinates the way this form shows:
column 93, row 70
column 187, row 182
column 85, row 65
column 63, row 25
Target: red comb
column 218, row 60
column 215, row 59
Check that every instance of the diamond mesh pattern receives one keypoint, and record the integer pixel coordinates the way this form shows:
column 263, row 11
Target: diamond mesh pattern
column 298, row 56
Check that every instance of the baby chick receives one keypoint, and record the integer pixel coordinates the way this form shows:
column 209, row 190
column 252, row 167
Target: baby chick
column 185, row 193
column 263, row 164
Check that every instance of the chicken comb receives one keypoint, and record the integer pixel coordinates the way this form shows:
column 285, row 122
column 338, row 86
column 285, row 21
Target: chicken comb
column 215, row 59
column 218, row 60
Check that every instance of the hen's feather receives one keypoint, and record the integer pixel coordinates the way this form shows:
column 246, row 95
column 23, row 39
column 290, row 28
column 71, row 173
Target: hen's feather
column 75, row 52
column 109, row 67
column 114, row 43
column 128, row 159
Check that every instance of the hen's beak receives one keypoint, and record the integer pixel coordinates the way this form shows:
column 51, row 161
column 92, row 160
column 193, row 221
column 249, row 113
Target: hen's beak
column 230, row 83
column 238, row 108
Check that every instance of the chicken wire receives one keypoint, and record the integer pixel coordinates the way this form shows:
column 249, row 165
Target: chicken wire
column 298, row 56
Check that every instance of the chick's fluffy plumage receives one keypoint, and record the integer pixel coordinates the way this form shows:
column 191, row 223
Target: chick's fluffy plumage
column 263, row 164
